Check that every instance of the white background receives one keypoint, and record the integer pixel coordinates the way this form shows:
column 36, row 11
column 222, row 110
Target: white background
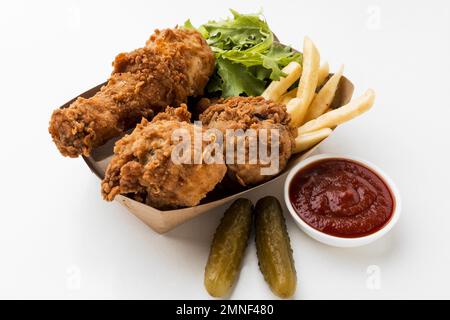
column 59, row 239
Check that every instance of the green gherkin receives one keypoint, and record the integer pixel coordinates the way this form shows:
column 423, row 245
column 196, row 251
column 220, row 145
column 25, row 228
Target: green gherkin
column 273, row 248
column 228, row 248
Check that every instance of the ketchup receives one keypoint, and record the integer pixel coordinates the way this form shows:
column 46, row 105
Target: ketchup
column 341, row 198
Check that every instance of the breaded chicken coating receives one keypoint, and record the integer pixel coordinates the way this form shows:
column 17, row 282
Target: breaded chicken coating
column 251, row 113
column 174, row 65
column 142, row 165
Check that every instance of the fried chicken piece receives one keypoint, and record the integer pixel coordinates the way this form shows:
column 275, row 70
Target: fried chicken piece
column 142, row 165
column 252, row 113
column 173, row 65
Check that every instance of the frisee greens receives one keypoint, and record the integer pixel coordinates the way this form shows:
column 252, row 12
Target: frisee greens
column 247, row 56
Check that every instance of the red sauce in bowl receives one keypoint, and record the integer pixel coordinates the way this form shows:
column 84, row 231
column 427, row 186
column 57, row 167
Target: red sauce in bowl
column 341, row 198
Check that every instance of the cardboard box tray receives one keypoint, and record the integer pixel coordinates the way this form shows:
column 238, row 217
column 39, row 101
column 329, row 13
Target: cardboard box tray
column 163, row 221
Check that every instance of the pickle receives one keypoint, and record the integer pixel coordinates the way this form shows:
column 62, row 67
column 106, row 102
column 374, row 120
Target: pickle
column 228, row 247
column 273, row 248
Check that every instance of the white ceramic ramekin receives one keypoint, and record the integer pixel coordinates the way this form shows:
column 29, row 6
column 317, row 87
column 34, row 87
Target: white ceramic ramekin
column 333, row 240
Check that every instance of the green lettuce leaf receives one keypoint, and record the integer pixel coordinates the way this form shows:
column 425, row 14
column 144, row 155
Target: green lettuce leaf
column 236, row 79
column 277, row 58
column 247, row 57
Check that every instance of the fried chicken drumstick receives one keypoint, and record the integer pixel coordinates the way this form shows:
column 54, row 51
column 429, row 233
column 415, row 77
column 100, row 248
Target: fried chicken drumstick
column 173, row 65
column 142, row 165
column 244, row 113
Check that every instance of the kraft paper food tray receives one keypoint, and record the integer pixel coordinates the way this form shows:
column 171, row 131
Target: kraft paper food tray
column 163, row 221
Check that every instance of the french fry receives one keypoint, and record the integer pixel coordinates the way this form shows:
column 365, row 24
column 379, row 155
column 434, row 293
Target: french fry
column 324, row 72
column 325, row 97
column 295, row 105
column 276, row 89
column 308, row 82
column 288, row 96
column 308, row 140
column 338, row 116
column 297, row 109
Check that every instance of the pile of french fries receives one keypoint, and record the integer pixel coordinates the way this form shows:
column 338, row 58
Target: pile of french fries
column 311, row 112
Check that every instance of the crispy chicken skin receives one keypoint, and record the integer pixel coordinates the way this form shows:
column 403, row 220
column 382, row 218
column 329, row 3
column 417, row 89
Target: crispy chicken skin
column 142, row 165
column 173, row 65
column 251, row 113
